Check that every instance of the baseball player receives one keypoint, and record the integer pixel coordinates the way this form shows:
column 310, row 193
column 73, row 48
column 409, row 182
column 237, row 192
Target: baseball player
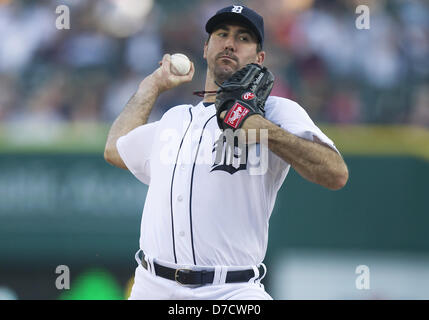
column 204, row 228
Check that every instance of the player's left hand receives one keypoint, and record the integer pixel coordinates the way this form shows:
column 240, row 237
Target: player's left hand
column 243, row 95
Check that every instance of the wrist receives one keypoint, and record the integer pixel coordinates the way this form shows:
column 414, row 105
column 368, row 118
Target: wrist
column 255, row 121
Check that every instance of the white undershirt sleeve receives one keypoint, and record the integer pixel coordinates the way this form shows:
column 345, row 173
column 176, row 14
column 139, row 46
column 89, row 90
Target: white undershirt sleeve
column 135, row 149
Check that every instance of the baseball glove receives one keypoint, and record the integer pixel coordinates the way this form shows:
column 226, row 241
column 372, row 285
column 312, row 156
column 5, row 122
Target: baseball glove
column 242, row 95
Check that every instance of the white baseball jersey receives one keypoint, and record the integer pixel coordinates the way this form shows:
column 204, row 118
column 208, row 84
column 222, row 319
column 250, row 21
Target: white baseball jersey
column 205, row 206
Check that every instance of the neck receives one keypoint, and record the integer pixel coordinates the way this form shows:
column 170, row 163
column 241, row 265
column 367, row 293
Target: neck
column 210, row 86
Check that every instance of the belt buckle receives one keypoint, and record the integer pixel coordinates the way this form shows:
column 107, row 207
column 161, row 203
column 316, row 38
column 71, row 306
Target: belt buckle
column 176, row 276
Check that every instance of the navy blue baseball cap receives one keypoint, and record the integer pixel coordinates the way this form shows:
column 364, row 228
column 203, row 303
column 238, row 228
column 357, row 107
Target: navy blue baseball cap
column 240, row 14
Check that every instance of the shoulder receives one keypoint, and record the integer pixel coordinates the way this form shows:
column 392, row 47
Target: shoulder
column 278, row 108
column 274, row 102
column 174, row 114
column 166, row 119
column 177, row 111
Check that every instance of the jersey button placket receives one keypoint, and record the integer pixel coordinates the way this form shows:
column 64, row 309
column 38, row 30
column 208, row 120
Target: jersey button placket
column 181, row 199
column 186, row 166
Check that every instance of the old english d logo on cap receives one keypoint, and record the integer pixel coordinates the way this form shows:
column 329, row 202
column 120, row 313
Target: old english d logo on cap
column 237, row 9
column 241, row 14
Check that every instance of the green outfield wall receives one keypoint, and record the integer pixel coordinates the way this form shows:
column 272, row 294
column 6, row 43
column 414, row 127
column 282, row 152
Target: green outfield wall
column 61, row 203
column 75, row 208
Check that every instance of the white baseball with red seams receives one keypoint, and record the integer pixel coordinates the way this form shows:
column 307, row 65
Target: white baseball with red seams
column 180, row 64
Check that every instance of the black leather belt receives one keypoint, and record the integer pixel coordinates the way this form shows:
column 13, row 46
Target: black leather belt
column 191, row 277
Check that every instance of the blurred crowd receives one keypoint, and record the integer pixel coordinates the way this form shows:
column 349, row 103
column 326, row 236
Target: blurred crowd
column 337, row 72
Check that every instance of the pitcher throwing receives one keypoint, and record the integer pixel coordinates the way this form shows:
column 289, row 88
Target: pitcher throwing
column 204, row 227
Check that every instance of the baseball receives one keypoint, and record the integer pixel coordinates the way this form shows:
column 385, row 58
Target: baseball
column 180, row 64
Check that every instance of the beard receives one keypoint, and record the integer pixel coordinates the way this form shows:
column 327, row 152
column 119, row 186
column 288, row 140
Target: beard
column 222, row 72
column 224, row 69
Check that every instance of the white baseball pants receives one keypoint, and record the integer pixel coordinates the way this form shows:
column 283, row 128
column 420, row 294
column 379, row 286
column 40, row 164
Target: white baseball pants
column 148, row 286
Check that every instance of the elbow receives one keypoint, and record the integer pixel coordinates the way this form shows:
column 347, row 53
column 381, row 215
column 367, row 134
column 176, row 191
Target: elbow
column 112, row 157
column 107, row 155
column 340, row 180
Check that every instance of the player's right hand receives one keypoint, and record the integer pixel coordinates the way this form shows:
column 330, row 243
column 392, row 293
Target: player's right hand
column 165, row 80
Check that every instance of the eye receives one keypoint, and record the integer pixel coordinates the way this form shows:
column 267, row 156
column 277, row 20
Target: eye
column 244, row 38
column 222, row 34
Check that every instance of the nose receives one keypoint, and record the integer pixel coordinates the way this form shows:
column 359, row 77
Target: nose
column 229, row 44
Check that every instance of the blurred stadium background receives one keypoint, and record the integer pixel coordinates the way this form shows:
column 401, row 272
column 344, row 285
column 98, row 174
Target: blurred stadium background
column 61, row 204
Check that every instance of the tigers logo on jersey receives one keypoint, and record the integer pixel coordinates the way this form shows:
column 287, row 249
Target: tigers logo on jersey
column 230, row 154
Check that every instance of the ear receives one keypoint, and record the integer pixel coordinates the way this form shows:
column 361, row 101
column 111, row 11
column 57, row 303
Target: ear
column 260, row 57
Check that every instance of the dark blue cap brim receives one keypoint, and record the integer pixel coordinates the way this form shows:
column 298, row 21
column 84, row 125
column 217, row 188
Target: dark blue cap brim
column 223, row 17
